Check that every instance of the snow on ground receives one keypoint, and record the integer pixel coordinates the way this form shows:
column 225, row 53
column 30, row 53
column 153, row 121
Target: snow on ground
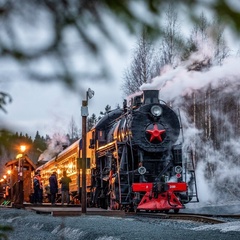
column 231, row 207
column 222, row 227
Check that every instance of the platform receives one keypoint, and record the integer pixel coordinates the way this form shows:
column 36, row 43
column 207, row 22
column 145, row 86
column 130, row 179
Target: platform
column 70, row 210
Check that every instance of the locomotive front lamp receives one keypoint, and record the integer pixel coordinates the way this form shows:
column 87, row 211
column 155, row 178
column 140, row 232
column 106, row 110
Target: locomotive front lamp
column 178, row 169
column 156, row 110
column 142, row 170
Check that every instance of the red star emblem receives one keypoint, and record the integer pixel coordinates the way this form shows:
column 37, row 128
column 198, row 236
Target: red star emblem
column 156, row 133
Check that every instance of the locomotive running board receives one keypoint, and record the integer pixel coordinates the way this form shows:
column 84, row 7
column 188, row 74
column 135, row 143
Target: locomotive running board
column 159, row 201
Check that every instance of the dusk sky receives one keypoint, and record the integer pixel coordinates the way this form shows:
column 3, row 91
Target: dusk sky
column 49, row 107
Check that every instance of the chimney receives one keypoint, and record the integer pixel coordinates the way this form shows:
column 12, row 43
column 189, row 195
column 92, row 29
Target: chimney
column 150, row 96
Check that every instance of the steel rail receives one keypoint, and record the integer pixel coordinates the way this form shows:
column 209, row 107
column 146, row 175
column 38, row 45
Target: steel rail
column 191, row 217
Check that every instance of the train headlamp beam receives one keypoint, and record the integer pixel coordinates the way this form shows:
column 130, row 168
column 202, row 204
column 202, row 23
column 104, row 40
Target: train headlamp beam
column 156, row 110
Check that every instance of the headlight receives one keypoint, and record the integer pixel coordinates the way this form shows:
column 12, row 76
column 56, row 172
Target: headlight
column 178, row 169
column 142, row 170
column 156, row 110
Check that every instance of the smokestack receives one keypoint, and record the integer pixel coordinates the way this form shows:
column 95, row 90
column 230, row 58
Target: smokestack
column 150, row 96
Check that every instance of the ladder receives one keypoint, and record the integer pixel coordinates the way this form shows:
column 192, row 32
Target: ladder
column 190, row 170
column 124, row 179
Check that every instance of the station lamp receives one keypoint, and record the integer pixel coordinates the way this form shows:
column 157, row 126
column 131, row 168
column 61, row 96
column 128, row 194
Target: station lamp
column 20, row 158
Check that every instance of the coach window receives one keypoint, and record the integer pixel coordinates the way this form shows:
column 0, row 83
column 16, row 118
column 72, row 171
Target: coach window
column 73, row 164
column 101, row 135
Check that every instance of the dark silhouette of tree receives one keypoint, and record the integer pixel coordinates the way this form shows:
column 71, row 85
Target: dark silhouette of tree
column 222, row 51
column 91, row 121
column 5, row 98
column 73, row 131
column 211, row 33
column 107, row 109
column 4, row 230
column 172, row 44
column 39, row 142
column 139, row 71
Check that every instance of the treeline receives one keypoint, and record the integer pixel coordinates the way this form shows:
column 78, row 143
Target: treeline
column 10, row 142
column 10, row 145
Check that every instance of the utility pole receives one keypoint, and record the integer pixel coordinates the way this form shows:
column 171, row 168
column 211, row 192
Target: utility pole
column 84, row 155
column 84, row 114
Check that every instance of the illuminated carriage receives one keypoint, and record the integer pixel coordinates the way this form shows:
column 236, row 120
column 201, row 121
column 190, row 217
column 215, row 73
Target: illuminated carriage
column 68, row 160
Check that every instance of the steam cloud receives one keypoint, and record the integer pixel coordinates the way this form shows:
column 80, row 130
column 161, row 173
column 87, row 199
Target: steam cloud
column 217, row 171
column 55, row 146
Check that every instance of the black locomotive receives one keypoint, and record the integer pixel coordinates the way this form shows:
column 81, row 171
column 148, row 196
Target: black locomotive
column 139, row 158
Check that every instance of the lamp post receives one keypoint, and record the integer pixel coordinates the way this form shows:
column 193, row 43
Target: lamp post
column 20, row 174
column 84, row 114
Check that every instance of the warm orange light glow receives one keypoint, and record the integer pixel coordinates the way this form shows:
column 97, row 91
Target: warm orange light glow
column 4, row 176
column 8, row 172
column 19, row 156
column 70, row 165
column 23, row 148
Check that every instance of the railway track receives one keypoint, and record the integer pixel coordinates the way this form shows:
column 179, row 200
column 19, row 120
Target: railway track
column 205, row 218
column 76, row 211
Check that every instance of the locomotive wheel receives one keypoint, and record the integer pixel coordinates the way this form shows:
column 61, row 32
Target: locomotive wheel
column 176, row 210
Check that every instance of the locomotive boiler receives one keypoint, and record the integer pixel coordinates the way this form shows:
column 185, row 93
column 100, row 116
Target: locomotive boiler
column 139, row 161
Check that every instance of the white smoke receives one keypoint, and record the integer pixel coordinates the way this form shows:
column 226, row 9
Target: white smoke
column 217, row 169
column 55, row 145
column 179, row 82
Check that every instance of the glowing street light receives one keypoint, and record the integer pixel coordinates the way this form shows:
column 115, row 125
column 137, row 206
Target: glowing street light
column 22, row 148
column 84, row 114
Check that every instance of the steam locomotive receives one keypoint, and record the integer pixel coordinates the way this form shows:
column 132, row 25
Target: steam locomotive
column 135, row 159
column 139, row 159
